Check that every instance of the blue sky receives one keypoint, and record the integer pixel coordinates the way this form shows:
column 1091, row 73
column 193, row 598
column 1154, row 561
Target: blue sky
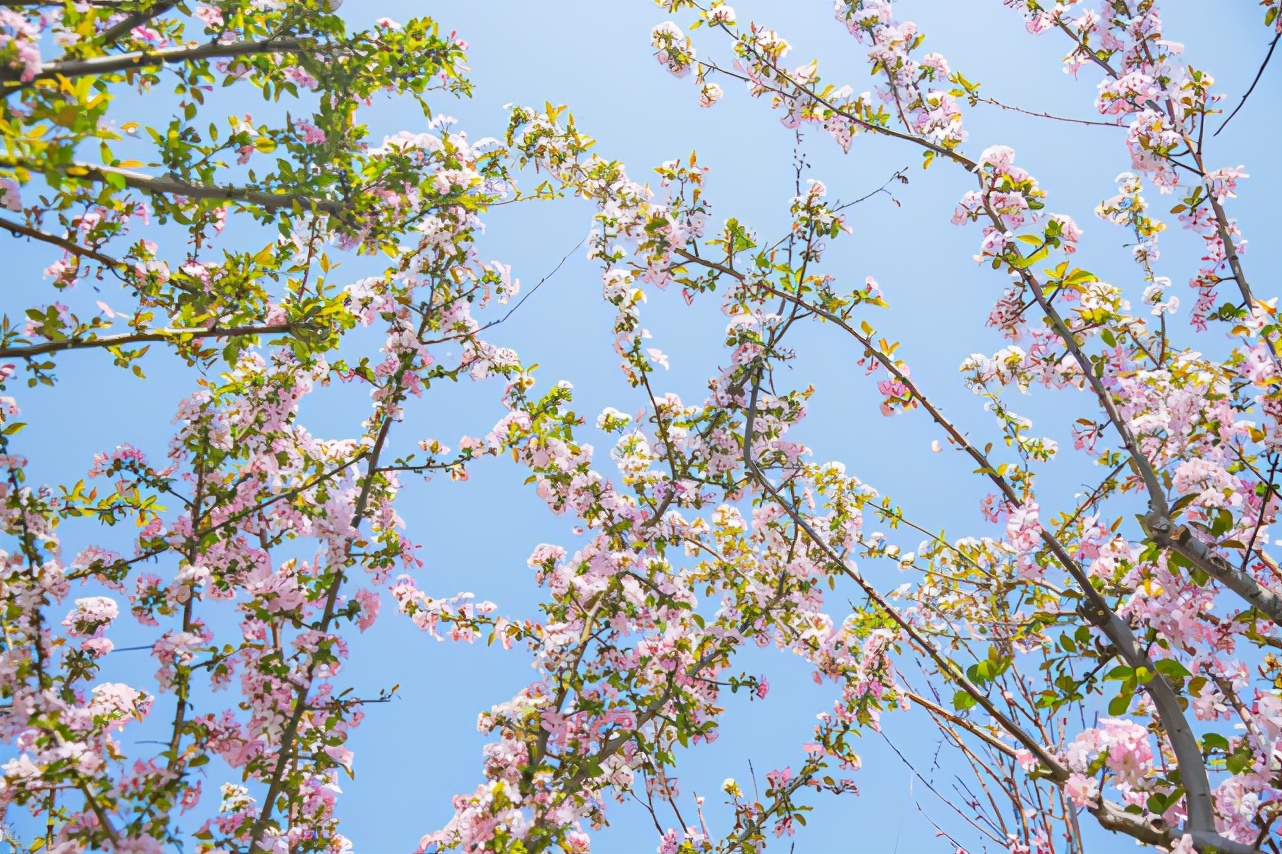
column 414, row 753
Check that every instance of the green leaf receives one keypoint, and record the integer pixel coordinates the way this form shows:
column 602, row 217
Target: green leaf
column 1239, row 760
column 1171, row 668
column 1214, row 741
column 1121, row 671
column 1080, row 277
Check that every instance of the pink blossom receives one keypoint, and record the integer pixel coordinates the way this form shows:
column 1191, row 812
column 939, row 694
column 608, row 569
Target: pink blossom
column 300, row 78
column 997, row 155
column 1082, row 790
column 148, row 35
column 9, row 198
column 97, row 647
column 113, row 702
column 312, row 135
column 211, row 16
column 672, row 48
column 721, row 15
column 1222, row 183
column 91, row 616
column 1069, row 233
column 370, row 603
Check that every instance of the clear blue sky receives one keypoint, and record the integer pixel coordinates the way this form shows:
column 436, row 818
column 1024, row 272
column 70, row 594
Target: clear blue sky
column 594, row 55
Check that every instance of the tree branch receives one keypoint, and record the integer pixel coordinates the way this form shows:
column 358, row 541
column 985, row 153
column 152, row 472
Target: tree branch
column 1179, row 539
column 61, row 242
column 1056, row 770
column 146, row 59
column 102, row 4
column 174, row 187
column 1188, row 755
column 169, row 334
column 137, row 19
column 1201, row 824
column 360, row 510
column 1087, row 122
column 1258, row 75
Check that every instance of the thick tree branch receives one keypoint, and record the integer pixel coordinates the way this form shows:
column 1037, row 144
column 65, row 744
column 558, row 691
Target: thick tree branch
column 1144, row 468
column 174, row 187
column 290, row 731
column 1188, row 755
column 1222, row 226
column 146, row 59
column 171, row 334
column 1179, row 539
column 61, row 242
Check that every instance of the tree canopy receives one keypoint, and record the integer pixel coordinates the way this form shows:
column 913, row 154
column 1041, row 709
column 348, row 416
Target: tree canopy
column 1100, row 661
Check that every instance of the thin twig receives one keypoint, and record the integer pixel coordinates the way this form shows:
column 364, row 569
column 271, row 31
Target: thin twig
column 531, row 291
column 1013, row 109
column 1258, row 75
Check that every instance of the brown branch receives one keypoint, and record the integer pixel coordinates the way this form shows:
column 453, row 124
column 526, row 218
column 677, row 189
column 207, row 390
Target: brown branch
column 104, row 820
column 76, row 575
column 986, row 737
column 137, row 19
column 61, row 242
column 139, row 337
column 990, row 831
column 174, row 187
column 954, row 434
column 1188, row 755
column 359, row 511
column 994, row 102
column 1222, row 223
column 1156, row 495
column 1235, row 262
column 1095, row 609
column 1054, row 768
column 1258, row 75
column 290, row 731
column 147, row 59
column 801, row 90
